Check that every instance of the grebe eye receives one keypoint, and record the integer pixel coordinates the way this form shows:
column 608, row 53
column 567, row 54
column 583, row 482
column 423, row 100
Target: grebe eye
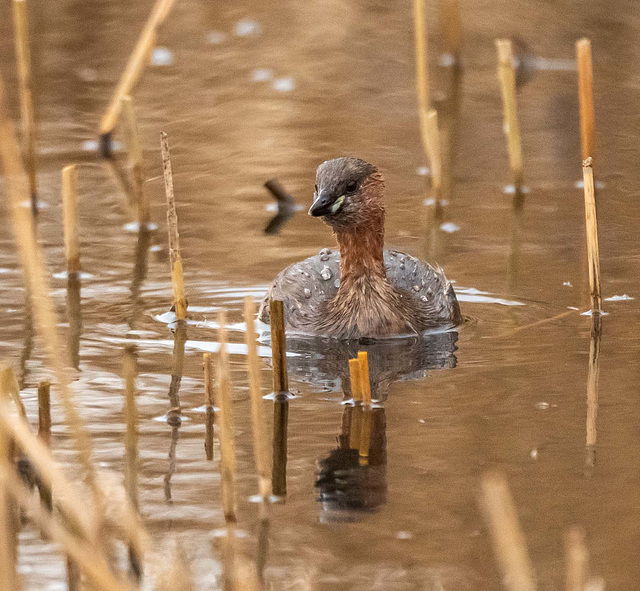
column 351, row 186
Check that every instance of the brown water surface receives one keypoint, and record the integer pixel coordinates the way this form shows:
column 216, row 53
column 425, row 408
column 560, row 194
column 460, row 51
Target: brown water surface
column 506, row 391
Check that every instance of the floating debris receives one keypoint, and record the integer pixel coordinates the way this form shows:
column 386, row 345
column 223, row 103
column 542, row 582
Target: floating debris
column 542, row 405
column 93, row 145
column 247, row 28
column 431, row 201
column 567, row 283
column 404, row 535
column 284, row 84
column 619, row 298
column 598, row 184
column 422, row 171
column 511, row 190
column 161, row 56
column 590, row 313
column 449, row 227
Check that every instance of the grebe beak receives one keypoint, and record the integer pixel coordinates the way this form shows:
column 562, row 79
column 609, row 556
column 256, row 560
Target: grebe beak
column 322, row 205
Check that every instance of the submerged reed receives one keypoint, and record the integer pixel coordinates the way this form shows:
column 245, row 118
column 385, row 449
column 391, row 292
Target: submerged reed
column 506, row 535
column 507, row 77
column 576, row 559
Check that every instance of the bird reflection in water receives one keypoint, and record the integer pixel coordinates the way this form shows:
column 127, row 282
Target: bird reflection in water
column 352, row 478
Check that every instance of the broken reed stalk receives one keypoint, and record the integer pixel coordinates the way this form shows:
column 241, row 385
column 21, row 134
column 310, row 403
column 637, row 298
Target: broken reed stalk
column 507, row 77
column 593, row 252
column 39, row 288
column 23, row 56
column 136, row 64
column 435, row 154
column 44, row 434
column 90, row 561
column 208, row 401
column 576, row 559
column 260, row 444
column 356, row 380
column 278, row 348
column 585, row 95
column 365, row 382
column 422, row 70
column 227, row 452
column 129, row 371
column 70, row 219
column 136, row 162
column 365, row 385
column 451, row 22
column 506, row 535
column 177, row 278
column 8, row 573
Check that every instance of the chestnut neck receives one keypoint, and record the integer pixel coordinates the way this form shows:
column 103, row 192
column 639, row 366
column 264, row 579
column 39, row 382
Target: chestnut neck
column 362, row 243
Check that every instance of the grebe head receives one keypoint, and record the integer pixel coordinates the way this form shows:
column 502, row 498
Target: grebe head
column 348, row 192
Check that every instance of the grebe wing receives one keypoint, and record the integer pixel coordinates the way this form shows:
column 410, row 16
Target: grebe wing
column 303, row 287
column 427, row 285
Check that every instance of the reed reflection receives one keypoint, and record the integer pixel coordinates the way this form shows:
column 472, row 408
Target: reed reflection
column 593, row 375
column 74, row 316
column 174, row 415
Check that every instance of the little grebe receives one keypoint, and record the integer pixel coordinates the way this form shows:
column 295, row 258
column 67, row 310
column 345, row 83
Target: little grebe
column 362, row 290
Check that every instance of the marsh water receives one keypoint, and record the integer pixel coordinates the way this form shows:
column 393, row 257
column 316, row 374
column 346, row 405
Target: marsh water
column 252, row 90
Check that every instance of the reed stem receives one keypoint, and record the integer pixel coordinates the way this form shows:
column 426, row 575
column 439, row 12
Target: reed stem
column 576, row 559
column 365, row 381
column 177, row 278
column 278, row 348
column 508, row 539
column 593, row 253
column 70, row 218
column 208, row 401
column 136, row 162
column 422, row 71
column 134, row 68
column 355, row 369
column 507, row 77
column 23, row 55
column 585, row 95
column 10, row 388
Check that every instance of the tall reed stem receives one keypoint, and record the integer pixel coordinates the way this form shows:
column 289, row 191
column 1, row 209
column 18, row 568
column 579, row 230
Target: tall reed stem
column 177, row 278
column 507, row 77
column 23, row 55
column 422, row 71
